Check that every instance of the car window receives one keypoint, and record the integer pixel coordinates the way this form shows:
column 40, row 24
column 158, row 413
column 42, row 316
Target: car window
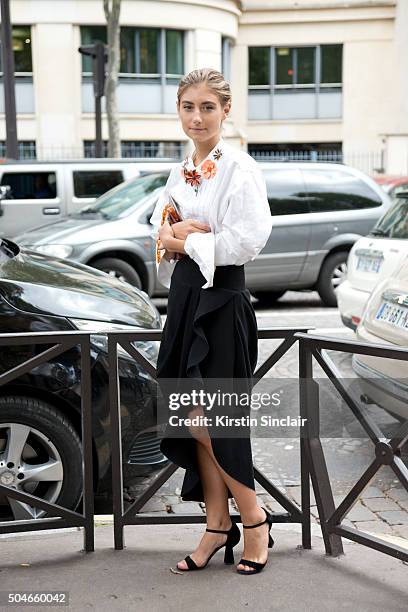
column 30, row 185
column 333, row 190
column 402, row 187
column 394, row 224
column 94, row 183
column 286, row 192
column 123, row 199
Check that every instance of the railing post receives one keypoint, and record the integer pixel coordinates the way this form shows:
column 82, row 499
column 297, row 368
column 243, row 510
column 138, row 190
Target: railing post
column 314, row 456
column 116, row 437
column 304, row 459
column 87, row 461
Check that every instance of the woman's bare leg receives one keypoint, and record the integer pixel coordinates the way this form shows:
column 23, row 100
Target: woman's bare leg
column 255, row 540
column 216, row 505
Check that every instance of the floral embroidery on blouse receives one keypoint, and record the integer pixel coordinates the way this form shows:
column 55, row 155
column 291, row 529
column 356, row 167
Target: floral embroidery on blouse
column 208, row 171
column 217, row 154
column 192, row 177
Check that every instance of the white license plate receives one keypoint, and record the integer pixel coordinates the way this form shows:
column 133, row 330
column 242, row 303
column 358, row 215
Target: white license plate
column 393, row 314
column 369, row 264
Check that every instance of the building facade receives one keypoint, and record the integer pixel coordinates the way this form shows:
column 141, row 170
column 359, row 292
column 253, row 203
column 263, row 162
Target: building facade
column 322, row 79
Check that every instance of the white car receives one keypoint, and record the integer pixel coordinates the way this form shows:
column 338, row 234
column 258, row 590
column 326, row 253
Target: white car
column 384, row 381
column 372, row 259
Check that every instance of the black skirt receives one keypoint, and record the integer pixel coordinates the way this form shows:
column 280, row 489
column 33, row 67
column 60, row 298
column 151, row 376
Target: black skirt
column 209, row 334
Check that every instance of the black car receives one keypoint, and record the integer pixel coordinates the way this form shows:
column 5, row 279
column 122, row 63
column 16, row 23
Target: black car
column 40, row 422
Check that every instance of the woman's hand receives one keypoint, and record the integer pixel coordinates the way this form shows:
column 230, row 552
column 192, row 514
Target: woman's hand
column 165, row 232
column 183, row 228
column 169, row 255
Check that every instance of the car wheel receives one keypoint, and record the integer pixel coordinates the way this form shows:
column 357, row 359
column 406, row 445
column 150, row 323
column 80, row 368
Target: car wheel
column 268, row 297
column 40, row 454
column 333, row 272
column 119, row 269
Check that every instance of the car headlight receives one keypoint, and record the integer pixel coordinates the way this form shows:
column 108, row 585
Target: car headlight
column 55, row 250
column 149, row 348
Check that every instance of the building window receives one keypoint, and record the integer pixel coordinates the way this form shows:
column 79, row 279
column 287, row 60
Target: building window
column 174, row 52
column 149, row 51
column 331, row 65
column 277, row 73
column 305, row 151
column 26, row 149
column 140, row 50
column 295, row 66
column 305, row 66
column 284, row 66
column 89, row 36
column 140, row 148
column 259, row 71
column 160, row 149
column 226, row 44
column 22, row 50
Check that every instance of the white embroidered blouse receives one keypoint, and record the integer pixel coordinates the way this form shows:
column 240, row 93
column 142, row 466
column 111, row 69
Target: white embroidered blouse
column 228, row 192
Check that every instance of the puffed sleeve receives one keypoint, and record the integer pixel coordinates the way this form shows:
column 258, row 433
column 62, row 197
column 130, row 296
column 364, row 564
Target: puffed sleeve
column 165, row 268
column 244, row 230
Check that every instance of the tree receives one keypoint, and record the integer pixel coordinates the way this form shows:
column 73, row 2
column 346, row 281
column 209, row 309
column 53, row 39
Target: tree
column 112, row 12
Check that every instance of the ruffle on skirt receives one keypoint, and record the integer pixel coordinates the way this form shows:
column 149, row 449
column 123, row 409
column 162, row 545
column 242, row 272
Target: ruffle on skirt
column 209, row 334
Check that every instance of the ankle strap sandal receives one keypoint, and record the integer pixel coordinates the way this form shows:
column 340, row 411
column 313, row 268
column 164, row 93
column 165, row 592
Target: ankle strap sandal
column 258, row 567
column 233, row 537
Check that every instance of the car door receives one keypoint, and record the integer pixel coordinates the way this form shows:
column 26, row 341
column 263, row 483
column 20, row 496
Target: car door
column 281, row 261
column 36, row 197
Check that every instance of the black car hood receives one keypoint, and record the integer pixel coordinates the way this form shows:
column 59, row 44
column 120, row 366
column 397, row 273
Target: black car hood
column 37, row 283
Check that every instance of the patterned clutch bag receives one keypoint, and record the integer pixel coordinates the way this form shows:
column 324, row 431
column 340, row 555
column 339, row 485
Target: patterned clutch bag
column 171, row 213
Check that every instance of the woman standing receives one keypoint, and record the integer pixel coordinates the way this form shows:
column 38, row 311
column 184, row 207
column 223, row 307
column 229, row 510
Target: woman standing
column 210, row 330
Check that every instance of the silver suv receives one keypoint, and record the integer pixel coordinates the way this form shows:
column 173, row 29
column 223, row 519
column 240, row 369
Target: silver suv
column 319, row 211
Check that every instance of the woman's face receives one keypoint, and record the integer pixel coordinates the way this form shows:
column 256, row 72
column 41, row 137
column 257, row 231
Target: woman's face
column 201, row 113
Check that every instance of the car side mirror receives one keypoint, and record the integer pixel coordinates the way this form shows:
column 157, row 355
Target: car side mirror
column 4, row 191
column 148, row 215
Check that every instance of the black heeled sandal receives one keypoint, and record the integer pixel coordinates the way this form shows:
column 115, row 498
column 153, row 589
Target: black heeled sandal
column 258, row 567
column 233, row 537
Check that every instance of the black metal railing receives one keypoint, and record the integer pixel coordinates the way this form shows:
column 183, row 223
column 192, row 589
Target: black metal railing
column 132, row 516
column 58, row 517
column 387, row 451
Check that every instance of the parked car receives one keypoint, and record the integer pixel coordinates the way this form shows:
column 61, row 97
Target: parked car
column 44, row 192
column 40, row 426
column 319, row 211
column 393, row 185
column 112, row 235
column 384, row 381
column 372, row 259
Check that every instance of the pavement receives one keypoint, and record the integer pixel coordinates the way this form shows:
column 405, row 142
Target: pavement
column 140, row 576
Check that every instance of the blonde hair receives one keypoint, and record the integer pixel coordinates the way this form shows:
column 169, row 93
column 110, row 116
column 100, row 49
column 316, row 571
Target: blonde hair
column 212, row 78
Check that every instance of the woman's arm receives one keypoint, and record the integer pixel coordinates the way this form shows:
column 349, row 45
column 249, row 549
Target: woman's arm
column 176, row 245
column 168, row 241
